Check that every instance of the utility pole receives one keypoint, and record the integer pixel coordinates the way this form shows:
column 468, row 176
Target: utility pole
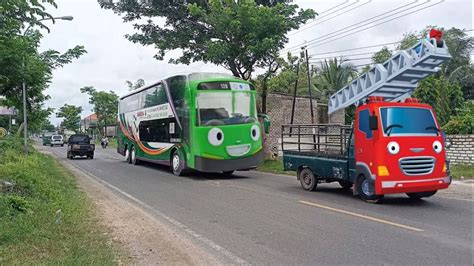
column 310, row 96
column 294, row 95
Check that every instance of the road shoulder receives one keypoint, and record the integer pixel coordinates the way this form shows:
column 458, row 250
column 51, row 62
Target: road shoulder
column 148, row 240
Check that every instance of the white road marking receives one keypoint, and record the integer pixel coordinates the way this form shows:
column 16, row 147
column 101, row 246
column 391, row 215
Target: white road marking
column 362, row 216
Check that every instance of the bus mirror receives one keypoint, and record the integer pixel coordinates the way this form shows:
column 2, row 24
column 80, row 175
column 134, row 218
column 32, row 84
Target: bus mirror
column 266, row 122
column 373, row 125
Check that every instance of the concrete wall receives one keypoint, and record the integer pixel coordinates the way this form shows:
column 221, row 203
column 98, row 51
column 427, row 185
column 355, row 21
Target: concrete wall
column 461, row 150
column 279, row 109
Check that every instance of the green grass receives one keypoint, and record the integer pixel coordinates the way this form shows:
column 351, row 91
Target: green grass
column 274, row 166
column 32, row 229
column 459, row 170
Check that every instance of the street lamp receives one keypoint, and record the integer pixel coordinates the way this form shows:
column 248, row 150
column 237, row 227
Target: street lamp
column 25, row 123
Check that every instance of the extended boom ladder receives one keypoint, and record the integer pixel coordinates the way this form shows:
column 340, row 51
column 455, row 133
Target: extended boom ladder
column 395, row 79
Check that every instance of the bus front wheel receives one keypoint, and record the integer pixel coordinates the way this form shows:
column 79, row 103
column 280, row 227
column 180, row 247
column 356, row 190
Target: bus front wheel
column 177, row 164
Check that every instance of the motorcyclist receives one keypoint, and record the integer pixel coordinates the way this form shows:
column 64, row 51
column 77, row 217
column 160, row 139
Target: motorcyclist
column 104, row 142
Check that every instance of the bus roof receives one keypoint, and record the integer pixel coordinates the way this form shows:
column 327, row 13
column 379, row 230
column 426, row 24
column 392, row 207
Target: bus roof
column 191, row 76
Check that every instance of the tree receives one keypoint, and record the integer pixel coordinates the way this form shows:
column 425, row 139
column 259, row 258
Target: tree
column 71, row 115
column 133, row 86
column 381, row 56
column 463, row 123
column 445, row 97
column 105, row 106
column 333, row 74
column 238, row 35
column 22, row 62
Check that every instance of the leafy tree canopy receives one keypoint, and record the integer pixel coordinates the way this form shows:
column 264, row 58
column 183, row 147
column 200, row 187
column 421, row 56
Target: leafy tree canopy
column 238, row 35
column 105, row 105
column 133, row 86
column 71, row 115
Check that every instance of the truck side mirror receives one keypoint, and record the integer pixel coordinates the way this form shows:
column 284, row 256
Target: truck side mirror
column 373, row 125
column 266, row 122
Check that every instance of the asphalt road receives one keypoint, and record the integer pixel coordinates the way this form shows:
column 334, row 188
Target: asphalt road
column 260, row 218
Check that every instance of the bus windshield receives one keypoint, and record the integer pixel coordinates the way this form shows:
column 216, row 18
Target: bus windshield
column 225, row 108
column 408, row 121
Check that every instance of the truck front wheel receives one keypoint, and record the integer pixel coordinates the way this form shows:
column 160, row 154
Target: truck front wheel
column 419, row 195
column 308, row 180
column 366, row 190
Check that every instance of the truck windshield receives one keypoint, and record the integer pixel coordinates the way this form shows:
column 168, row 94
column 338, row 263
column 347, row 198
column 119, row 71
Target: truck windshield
column 225, row 108
column 408, row 121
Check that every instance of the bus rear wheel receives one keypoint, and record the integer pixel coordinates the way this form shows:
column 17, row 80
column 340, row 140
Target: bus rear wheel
column 177, row 164
column 133, row 157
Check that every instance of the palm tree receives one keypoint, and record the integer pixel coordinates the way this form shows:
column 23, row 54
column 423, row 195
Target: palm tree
column 332, row 75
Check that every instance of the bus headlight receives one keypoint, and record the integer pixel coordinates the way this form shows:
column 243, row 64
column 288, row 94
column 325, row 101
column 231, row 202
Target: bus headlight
column 393, row 147
column 437, row 147
column 255, row 132
column 215, row 136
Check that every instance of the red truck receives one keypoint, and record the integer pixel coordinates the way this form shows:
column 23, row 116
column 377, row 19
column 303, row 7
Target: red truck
column 395, row 144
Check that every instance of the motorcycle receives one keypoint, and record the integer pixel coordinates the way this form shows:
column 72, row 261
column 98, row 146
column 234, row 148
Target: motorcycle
column 104, row 144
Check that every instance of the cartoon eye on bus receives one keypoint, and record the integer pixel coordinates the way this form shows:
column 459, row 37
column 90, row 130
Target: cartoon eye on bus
column 202, row 121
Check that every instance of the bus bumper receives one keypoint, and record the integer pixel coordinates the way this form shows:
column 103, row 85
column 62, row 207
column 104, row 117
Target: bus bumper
column 213, row 166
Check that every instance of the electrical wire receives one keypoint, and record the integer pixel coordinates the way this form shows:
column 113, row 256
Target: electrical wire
column 352, row 33
column 360, row 24
column 308, row 25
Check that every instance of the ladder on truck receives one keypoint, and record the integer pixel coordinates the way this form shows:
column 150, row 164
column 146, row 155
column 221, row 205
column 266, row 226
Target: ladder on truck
column 395, row 79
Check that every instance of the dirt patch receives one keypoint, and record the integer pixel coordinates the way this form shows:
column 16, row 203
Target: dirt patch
column 147, row 240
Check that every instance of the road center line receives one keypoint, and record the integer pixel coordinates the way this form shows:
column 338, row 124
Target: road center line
column 362, row 216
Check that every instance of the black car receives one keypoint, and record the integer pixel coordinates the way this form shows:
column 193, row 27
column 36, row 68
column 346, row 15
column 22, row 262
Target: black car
column 80, row 145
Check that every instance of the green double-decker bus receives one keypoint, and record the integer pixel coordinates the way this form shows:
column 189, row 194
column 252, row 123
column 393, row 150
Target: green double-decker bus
column 201, row 121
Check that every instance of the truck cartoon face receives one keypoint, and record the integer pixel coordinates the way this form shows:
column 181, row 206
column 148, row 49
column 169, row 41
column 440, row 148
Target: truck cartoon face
column 403, row 149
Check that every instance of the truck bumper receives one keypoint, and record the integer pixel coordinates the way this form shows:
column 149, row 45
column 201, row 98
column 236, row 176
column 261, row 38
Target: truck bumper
column 215, row 166
column 409, row 186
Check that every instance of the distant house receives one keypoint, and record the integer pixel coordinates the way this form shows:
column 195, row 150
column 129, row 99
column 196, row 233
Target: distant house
column 89, row 125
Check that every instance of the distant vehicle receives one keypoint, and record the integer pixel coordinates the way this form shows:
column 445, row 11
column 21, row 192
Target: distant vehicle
column 57, row 140
column 80, row 145
column 67, row 134
column 46, row 140
column 202, row 121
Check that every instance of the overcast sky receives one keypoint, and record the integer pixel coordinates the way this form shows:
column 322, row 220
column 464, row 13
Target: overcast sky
column 112, row 59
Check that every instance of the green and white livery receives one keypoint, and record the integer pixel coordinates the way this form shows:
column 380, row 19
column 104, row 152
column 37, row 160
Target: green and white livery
column 202, row 121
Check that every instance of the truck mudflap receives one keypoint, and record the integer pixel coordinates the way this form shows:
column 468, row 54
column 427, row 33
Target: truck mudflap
column 408, row 186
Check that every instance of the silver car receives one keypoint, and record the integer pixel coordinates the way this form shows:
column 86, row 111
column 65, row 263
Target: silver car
column 57, row 140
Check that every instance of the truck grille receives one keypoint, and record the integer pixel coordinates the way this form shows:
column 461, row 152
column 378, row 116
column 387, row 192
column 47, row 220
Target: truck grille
column 417, row 165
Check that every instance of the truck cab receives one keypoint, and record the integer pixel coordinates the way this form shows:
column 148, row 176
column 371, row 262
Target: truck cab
column 398, row 148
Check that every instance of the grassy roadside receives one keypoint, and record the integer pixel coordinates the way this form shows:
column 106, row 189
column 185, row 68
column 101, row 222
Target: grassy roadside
column 459, row 170
column 276, row 167
column 44, row 217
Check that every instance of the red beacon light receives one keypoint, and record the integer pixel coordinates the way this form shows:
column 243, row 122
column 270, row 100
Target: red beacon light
column 374, row 99
column 412, row 100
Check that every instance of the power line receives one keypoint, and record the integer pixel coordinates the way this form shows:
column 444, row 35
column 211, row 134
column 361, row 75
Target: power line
column 360, row 24
column 352, row 33
column 358, row 48
column 308, row 25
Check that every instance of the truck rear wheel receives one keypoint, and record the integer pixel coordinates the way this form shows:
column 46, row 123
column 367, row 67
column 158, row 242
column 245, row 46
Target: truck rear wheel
column 307, row 179
column 419, row 195
column 366, row 190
